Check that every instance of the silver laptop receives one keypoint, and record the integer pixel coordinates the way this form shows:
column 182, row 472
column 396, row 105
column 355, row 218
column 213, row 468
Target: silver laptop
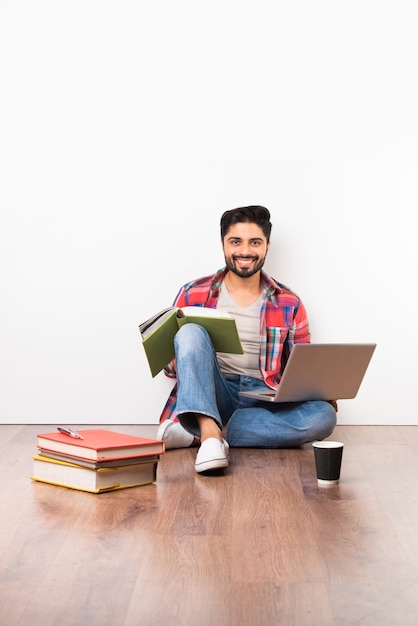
column 320, row 371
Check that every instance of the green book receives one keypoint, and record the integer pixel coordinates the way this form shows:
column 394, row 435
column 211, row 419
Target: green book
column 158, row 332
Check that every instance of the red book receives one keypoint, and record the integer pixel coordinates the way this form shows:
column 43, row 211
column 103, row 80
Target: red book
column 100, row 444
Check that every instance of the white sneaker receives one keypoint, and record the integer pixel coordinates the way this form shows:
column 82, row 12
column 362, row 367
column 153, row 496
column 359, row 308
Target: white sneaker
column 174, row 435
column 212, row 455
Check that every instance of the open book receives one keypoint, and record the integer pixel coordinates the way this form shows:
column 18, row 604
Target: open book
column 158, row 332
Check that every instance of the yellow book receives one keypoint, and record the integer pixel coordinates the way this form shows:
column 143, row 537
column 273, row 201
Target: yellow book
column 74, row 476
column 159, row 330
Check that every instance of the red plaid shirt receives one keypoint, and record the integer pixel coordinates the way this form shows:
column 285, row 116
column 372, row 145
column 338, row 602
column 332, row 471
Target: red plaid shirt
column 283, row 323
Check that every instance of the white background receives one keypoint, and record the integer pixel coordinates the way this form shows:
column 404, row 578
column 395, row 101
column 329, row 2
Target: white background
column 128, row 127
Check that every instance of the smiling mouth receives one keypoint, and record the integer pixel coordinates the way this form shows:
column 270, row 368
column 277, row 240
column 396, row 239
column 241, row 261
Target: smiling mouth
column 245, row 261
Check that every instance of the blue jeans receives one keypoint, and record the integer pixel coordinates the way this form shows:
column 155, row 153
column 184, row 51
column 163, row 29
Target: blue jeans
column 204, row 389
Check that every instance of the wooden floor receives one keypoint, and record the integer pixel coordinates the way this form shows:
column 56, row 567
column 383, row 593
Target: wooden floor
column 259, row 545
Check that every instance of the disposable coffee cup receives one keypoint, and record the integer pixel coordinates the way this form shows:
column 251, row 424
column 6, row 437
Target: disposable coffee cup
column 328, row 457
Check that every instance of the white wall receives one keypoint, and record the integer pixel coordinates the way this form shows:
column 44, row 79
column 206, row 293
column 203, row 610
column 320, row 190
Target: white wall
column 128, row 127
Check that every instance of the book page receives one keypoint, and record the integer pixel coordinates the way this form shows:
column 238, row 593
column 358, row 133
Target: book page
column 146, row 327
column 201, row 311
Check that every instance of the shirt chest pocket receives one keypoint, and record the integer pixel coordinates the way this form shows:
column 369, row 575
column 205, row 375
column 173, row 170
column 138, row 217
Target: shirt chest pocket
column 275, row 347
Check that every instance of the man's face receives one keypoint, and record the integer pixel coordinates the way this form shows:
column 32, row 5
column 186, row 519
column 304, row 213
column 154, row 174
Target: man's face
column 245, row 248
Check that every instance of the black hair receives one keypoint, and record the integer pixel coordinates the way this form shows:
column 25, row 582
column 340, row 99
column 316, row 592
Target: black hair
column 253, row 214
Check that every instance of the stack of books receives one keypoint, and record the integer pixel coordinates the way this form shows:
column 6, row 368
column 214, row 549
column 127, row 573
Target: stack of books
column 96, row 460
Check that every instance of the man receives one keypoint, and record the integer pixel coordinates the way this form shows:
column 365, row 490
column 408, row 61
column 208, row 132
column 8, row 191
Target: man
column 270, row 319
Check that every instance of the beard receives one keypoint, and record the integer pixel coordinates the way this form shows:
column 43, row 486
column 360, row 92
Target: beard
column 245, row 272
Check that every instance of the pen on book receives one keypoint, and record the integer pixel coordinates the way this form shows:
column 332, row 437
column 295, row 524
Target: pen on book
column 70, row 432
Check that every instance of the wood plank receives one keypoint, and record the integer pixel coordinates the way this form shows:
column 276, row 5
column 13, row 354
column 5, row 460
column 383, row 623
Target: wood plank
column 260, row 544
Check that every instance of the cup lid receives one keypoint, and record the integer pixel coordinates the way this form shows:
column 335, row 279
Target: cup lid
column 328, row 444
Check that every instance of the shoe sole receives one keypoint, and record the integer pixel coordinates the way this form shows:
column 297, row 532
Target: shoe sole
column 161, row 430
column 213, row 464
column 176, row 441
